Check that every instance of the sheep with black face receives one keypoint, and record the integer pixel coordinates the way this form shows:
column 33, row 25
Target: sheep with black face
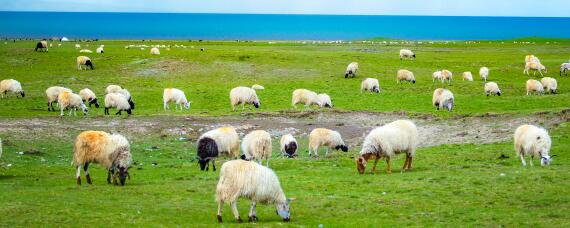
column 220, row 141
column 327, row 138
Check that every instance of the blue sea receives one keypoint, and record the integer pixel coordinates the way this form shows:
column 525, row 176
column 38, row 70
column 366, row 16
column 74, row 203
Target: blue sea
column 273, row 27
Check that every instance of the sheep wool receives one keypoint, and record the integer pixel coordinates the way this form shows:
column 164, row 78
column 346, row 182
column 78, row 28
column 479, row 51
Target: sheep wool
column 550, row 84
column 12, row 86
column 325, row 100
column 100, row 50
column 371, row 85
column 492, row 88
column 177, row 96
column 288, row 145
column 257, row 145
column 42, row 46
column 436, row 76
column 220, row 141
column 84, row 61
column 405, row 75
column 327, row 138
column 534, row 66
column 534, row 86
column 564, row 68
column 533, row 141
column 484, row 73
column 467, row 76
column 446, row 75
column 531, row 58
column 406, row 54
column 89, row 96
column 71, row 101
column 154, row 51
column 351, row 70
column 306, row 97
column 118, row 101
column 243, row 95
column 52, row 94
column 257, row 87
column 443, row 98
column 85, row 51
column 113, row 89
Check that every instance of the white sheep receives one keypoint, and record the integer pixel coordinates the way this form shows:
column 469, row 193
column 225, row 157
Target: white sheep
column 492, row 88
column 443, row 98
column 534, row 141
column 89, row 96
column 534, row 86
column 535, row 67
column 325, row 137
column 72, row 102
column 405, row 75
column 100, row 50
column 484, row 73
column 257, row 87
column 243, row 95
column 257, row 145
column 154, row 51
column 564, row 67
column 84, row 61
column 113, row 89
column 306, row 97
column 255, row 182
column 85, row 51
column 406, row 53
column 42, row 46
column 446, row 75
column 400, row 136
column 467, row 76
column 112, row 151
column 77, row 46
column 288, row 145
column 177, row 96
column 550, row 85
column 325, row 100
column 12, row 86
column 436, row 76
column 531, row 58
column 118, row 101
column 220, row 141
column 52, row 93
column 351, row 70
column 370, row 84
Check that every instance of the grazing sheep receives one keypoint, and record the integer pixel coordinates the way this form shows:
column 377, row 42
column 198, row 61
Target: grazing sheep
column 85, row 51
column 154, row 51
column 446, row 75
column 77, row 46
column 127, row 94
column 12, row 86
column 52, row 94
column 118, row 101
column 436, row 76
column 71, row 101
column 325, row 100
column 42, row 46
column 484, row 73
column 405, row 54
column 492, row 88
column 112, row 151
column 370, row 84
column 306, row 97
column 84, row 61
column 535, row 67
column 467, row 76
column 257, row 87
column 387, row 141
column 177, row 96
column 113, row 89
column 255, row 182
column 564, row 67
column 325, row 137
column 531, row 58
column 405, row 75
column 534, row 141
column 220, row 141
column 243, row 95
column 351, row 70
column 534, row 86
column 550, row 84
column 89, row 96
column 100, row 50
column 257, row 145
column 288, row 145
column 443, row 98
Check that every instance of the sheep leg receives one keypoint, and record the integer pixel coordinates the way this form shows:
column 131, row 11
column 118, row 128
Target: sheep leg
column 374, row 166
column 252, row 215
column 220, row 206
column 109, row 176
column 61, row 113
column 78, row 175
column 530, row 161
column 406, row 163
column 235, row 211
column 326, row 152
column 410, row 163
column 522, row 160
column 539, row 71
column 214, row 165
column 388, row 169
column 165, row 106
column 86, row 169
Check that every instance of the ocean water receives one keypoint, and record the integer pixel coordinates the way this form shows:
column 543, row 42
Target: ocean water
column 273, row 27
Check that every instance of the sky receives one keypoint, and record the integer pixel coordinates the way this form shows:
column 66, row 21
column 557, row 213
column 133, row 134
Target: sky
column 523, row 8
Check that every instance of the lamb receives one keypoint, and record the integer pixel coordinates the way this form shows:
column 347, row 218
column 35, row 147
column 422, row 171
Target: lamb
column 52, row 94
column 306, row 97
column 531, row 58
column 405, row 75
column 89, row 96
column 112, row 151
column 325, row 137
column 564, row 67
column 484, row 73
column 436, row 76
column 534, row 141
column 243, row 95
column 443, row 98
column 118, row 101
column 257, row 145
column 42, row 46
column 85, row 51
column 71, row 101
column 534, row 86
column 370, row 84
column 351, row 70
column 100, row 50
column 406, row 54
column 177, row 96
column 12, row 86
column 325, row 100
column 492, row 88
column 446, row 75
column 288, row 145
column 467, row 76
column 247, row 179
column 154, row 51
column 386, row 141
column 84, row 61
column 220, row 141
column 550, row 84
column 257, row 87
column 535, row 67
column 113, row 89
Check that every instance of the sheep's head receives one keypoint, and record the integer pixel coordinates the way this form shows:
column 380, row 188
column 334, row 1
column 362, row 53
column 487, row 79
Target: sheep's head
column 123, row 175
column 344, row 148
column 414, row 81
column 414, row 55
column 361, row 164
column 545, row 160
column 376, row 89
column 84, row 109
column 187, row 105
column 203, row 162
column 448, row 104
column 256, row 104
column 89, row 64
column 131, row 103
column 499, row 93
column 94, row 101
column 22, row 93
column 283, row 210
column 129, row 111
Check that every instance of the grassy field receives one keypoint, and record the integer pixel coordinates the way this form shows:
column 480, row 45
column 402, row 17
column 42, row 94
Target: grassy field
column 450, row 184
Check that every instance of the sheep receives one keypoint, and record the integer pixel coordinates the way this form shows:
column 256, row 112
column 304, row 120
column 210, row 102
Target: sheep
column 119, row 101
column 351, row 70
column 370, row 84
column 100, row 50
column 113, row 89
column 386, row 141
column 306, row 97
column 443, row 98
column 85, row 51
column 446, row 75
column 550, row 84
column 288, row 145
column 112, row 151
column 531, row 58
column 11, row 85
column 42, row 46
column 257, row 87
column 325, row 137
column 243, row 95
column 257, row 145
column 534, row 141
column 84, row 61
column 564, row 67
column 71, row 101
column 467, row 76
column 492, row 88
column 220, row 141
column 177, row 96
column 325, row 100
column 154, row 51
column 77, row 46
column 405, row 54
column 89, row 96
column 535, row 67
column 405, row 75
column 127, row 94
column 52, row 94
column 484, row 73
column 534, row 86
column 239, row 178
column 436, row 76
